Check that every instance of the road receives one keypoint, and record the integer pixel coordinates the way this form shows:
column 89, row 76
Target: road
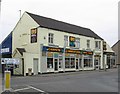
column 82, row 81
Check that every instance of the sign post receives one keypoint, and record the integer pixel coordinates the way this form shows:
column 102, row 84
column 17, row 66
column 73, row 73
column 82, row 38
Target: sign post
column 9, row 62
column 7, row 80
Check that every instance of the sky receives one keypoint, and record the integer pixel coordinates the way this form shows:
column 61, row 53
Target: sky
column 101, row 16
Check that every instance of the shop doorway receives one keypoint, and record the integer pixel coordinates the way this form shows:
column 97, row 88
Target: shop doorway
column 56, row 64
column 76, row 63
column 96, row 64
column 35, row 66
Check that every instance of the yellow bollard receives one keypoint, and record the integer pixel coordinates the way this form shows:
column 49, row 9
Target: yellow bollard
column 7, row 80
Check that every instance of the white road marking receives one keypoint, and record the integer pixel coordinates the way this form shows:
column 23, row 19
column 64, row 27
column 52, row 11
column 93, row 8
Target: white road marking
column 36, row 89
column 22, row 89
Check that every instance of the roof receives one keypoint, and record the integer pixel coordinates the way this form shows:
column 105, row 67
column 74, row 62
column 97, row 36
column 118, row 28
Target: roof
column 62, row 26
column 21, row 50
column 118, row 42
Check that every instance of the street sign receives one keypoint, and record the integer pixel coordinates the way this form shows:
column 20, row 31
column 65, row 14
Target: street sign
column 10, row 61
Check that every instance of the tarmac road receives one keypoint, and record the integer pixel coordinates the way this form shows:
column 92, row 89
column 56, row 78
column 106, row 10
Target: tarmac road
column 82, row 81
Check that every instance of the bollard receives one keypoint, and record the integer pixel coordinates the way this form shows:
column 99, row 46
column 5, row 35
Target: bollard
column 7, row 80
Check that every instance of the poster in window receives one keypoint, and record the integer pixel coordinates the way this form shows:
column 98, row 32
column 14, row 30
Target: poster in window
column 33, row 35
column 72, row 41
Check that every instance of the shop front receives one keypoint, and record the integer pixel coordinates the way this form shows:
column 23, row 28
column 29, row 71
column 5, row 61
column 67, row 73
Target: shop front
column 97, row 61
column 87, row 60
column 73, row 60
column 54, row 58
column 54, row 61
column 110, row 59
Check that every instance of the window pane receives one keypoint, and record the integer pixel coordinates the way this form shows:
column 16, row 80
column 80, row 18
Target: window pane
column 72, row 62
column 88, row 43
column 67, row 63
column 50, row 38
column 49, row 62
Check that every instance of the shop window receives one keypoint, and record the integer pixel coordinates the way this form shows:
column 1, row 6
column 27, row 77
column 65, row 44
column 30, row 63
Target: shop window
column 49, row 62
column 72, row 62
column 67, row 62
column 88, row 62
column 65, row 41
column 77, row 42
column 50, row 38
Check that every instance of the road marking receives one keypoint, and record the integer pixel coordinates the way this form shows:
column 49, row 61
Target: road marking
column 36, row 89
column 22, row 89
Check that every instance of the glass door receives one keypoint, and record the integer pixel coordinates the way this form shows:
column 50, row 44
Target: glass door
column 56, row 64
column 76, row 63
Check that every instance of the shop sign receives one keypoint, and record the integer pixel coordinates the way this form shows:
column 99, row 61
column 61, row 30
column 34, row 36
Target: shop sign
column 67, row 55
column 10, row 61
column 49, row 54
column 87, row 53
column 104, row 46
column 34, row 35
column 54, row 49
column 51, row 49
column 5, row 50
column 73, row 51
column 109, row 53
column 56, row 55
column 72, row 41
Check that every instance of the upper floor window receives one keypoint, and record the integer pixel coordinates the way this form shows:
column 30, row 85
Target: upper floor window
column 88, row 44
column 77, row 42
column 65, row 41
column 97, row 44
column 50, row 37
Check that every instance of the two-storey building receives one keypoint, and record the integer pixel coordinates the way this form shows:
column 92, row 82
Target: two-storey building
column 47, row 45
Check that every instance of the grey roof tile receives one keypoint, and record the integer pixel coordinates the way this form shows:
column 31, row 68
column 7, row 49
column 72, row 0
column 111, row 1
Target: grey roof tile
column 62, row 26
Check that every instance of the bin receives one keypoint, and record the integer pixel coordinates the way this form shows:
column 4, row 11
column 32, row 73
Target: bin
column 29, row 71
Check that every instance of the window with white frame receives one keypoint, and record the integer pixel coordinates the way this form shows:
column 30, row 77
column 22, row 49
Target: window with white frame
column 65, row 41
column 50, row 37
column 88, row 44
column 77, row 42
column 88, row 62
column 97, row 44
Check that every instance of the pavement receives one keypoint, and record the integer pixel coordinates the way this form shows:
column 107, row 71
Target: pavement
column 81, row 81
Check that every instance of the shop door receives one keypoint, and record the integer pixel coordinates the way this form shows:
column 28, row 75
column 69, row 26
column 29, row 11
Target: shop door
column 35, row 66
column 97, row 64
column 56, row 64
column 76, row 63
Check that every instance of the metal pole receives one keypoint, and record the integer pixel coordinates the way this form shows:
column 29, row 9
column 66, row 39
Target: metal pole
column 7, row 80
column 64, row 56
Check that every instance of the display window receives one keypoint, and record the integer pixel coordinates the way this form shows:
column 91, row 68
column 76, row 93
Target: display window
column 70, row 62
column 67, row 62
column 50, row 63
column 88, row 62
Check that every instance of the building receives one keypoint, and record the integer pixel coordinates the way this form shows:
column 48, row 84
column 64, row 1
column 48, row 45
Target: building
column 6, row 51
column 47, row 45
column 116, row 49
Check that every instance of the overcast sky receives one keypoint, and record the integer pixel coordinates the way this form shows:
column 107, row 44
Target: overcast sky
column 101, row 16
